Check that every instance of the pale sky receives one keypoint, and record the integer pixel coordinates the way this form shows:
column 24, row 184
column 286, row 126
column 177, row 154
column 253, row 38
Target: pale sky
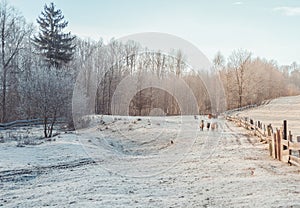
column 267, row 28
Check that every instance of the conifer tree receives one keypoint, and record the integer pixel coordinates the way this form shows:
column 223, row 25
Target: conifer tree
column 54, row 45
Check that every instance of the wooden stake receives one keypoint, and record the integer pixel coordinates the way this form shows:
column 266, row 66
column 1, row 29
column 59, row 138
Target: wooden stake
column 275, row 145
column 290, row 140
column 298, row 140
column 279, row 144
column 284, row 130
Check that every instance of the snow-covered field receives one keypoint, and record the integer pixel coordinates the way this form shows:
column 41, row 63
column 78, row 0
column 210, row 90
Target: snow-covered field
column 146, row 162
column 285, row 108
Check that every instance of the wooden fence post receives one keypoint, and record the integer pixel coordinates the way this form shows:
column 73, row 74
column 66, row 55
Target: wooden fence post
column 290, row 140
column 270, row 130
column 279, row 144
column 298, row 140
column 271, row 147
column 274, row 141
column 284, row 129
column 284, row 135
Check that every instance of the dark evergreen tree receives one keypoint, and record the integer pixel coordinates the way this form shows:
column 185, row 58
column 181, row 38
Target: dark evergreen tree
column 55, row 46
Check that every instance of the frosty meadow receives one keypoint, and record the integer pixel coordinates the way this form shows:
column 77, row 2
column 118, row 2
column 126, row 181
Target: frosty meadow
column 145, row 119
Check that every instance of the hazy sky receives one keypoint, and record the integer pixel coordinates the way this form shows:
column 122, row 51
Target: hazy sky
column 268, row 28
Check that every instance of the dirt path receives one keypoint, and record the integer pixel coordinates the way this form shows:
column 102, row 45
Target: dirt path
column 237, row 172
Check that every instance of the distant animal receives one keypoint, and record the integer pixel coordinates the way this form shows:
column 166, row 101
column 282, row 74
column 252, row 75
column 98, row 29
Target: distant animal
column 202, row 125
column 172, row 142
column 214, row 126
column 207, row 125
column 212, row 116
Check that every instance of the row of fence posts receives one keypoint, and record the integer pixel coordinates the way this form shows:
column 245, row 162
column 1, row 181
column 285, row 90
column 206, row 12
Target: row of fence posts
column 282, row 145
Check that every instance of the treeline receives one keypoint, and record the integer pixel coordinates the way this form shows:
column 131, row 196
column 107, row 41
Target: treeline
column 143, row 66
column 33, row 88
column 251, row 80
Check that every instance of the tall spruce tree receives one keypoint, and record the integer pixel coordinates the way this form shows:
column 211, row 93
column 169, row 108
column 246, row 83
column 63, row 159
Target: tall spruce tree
column 55, row 46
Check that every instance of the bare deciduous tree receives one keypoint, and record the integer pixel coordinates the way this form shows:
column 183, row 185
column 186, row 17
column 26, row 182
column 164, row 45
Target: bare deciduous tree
column 13, row 31
column 51, row 95
column 238, row 62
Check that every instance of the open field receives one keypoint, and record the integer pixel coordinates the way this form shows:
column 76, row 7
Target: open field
column 285, row 108
column 98, row 167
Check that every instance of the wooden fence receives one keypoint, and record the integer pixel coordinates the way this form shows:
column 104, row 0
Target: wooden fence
column 31, row 122
column 282, row 145
column 239, row 109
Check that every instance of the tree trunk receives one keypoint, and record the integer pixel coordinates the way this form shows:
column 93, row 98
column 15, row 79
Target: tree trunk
column 4, row 96
column 45, row 127
column 4, row 70
column 52, row 123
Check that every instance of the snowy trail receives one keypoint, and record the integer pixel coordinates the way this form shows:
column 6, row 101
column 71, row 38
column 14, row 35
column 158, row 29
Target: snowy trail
column 230, row 169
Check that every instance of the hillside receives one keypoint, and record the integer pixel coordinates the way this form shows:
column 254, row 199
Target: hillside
column 284, row 108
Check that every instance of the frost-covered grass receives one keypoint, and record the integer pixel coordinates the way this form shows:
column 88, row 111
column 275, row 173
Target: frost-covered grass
column 29, row 135
column 285, row 108
column 137, row 165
